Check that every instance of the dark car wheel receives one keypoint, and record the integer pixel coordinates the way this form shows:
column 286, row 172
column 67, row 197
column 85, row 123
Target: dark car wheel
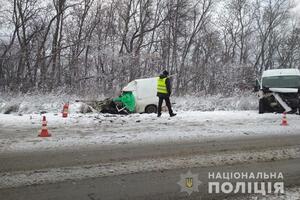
column 151, row 109
column 261, row 108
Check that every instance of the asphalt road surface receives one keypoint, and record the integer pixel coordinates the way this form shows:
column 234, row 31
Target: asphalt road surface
column 157, row 184
column 102, row 154
column 151, row 185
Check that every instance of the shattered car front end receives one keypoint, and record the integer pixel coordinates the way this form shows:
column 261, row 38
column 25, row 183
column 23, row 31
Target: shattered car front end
column 279, row 91
column 270, row 101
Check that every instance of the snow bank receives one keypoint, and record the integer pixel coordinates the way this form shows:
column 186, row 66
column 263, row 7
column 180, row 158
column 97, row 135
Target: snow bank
column 19, row 133
column 247, row 101
column 40, row 103
column 53, row 103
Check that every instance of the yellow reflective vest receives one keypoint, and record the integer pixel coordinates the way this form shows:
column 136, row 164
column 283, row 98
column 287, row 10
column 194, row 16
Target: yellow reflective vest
column 162, row 86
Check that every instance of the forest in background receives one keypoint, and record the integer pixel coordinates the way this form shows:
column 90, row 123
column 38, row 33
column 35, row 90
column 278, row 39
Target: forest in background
column 97, row 46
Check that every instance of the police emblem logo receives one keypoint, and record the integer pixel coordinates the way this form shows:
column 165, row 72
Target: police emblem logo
column 189, row 182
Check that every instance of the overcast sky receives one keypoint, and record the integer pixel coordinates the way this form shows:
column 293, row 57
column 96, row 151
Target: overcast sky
column 296, row 10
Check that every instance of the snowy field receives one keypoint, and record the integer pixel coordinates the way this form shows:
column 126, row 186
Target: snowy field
column 19, row 133
column 198, row 119
column 53, row 103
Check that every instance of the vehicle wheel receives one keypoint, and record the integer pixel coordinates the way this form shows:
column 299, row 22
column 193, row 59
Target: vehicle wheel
column 151, row 109
column 261, row 108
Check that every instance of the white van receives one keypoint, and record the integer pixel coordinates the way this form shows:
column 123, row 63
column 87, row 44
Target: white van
column 278, row 91
column 144, row 91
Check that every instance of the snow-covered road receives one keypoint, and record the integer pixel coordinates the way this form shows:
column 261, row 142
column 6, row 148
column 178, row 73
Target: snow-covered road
column 19, row 133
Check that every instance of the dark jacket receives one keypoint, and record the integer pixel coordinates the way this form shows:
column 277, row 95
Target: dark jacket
column 169, row 87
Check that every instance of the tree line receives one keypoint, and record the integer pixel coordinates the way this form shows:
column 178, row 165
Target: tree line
column 213, row 46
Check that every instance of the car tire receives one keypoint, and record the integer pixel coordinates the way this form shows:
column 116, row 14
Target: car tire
column 151, row 109
column 261, row 108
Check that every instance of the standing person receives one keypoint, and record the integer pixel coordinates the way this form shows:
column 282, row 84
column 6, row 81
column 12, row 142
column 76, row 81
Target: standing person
column 164, row 92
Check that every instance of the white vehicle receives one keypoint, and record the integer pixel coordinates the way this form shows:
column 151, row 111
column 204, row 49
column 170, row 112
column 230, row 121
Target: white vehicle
column 144, row 91
column 278, row 90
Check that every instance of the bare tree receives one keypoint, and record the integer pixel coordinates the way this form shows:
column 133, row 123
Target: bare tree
column 269, row 15
column 86, row 46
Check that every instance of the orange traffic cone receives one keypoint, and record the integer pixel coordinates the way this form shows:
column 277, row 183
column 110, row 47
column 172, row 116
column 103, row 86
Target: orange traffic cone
column 44, row 131
column 65, row 110
column 284, row 120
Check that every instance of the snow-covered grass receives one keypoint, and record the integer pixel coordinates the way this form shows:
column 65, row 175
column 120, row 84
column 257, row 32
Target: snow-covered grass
column 53, row 103
column 246, row 101
column 37, row 103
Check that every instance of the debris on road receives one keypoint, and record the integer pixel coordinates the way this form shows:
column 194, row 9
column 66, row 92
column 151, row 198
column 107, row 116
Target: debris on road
column 139, row 96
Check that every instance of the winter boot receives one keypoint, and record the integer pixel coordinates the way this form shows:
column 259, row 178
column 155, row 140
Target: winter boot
column 173, row 114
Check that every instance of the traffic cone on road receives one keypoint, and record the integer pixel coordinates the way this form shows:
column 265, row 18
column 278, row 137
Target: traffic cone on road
column 65, row 110
column 44, row 131
column 284, row 120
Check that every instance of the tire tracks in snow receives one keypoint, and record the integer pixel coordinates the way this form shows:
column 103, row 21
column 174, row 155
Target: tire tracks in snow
column 53, row 175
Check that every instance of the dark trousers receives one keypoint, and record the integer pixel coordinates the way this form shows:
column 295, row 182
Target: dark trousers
column 168, row 103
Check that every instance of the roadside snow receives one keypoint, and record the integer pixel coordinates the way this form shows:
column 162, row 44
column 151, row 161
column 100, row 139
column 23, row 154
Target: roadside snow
column 37, row 103
column 53, row 175
column 53, row 103
column 289, row 194
column 19, row 133
column 34, row 103
column 247, row 101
